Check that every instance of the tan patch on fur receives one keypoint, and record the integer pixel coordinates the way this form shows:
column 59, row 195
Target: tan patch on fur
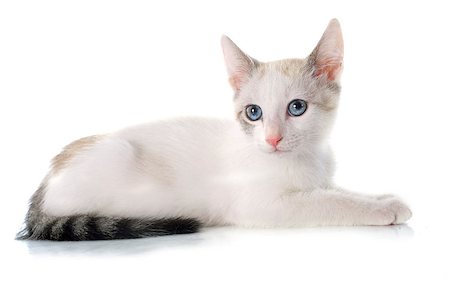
column 261, row 69
column 290, row 67
column 153, row 165
column 62, row 159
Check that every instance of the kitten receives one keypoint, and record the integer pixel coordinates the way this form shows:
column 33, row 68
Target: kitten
column 271, row 167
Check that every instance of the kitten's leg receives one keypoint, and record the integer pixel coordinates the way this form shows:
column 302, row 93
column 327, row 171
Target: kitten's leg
column 324, row 207
column 368, row 196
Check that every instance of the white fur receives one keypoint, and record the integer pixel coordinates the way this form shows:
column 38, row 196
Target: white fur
column 212, row 171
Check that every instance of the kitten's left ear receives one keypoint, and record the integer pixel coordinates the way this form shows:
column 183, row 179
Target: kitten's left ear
column 327, row 57
column 239, row 65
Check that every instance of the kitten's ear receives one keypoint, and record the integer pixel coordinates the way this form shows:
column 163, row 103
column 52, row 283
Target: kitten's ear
column 239, row 65
column 327, row 57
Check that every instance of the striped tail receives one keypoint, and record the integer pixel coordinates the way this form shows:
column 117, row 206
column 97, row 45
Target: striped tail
column 40, row 226
column 87, row 227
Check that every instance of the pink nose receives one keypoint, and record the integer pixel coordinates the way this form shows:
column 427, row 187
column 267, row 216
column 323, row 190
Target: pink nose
column 273, row 140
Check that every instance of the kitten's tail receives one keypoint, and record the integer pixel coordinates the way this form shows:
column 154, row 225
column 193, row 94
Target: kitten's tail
column 88, row 227
column 40, row 226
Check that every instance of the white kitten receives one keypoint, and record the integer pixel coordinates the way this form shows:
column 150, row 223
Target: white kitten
column 272, row 167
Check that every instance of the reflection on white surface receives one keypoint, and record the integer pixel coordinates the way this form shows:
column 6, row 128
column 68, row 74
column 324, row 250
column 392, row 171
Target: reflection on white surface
column 209, row 235
column 389, row 262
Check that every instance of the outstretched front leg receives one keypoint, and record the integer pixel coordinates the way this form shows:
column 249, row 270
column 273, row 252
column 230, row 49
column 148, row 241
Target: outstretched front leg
column 325, row 207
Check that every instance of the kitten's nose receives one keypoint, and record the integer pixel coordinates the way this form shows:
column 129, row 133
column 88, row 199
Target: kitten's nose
column 274, row 140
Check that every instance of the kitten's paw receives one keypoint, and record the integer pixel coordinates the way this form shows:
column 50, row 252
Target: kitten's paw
column 392, row 211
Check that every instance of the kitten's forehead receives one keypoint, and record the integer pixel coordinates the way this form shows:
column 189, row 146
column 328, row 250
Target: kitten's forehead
column 274, row 84
column 293, row 78
column 278, row 81
column 291, row 68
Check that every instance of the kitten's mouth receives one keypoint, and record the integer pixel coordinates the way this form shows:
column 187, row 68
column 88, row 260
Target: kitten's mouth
column 279, row 151
column 274, row 150
column 282, row 151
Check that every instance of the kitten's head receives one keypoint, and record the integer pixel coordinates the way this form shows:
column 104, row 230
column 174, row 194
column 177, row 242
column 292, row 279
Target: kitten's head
column 288, row 105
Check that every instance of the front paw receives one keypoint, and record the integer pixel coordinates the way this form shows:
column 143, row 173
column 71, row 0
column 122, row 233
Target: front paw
column 391, row 210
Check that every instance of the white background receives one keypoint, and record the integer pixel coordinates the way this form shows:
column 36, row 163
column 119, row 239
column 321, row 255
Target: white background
column 71, row 69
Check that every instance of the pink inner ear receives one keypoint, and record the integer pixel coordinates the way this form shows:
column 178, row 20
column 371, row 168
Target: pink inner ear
column 237, row 79
column 234, row 82
column 331, row 69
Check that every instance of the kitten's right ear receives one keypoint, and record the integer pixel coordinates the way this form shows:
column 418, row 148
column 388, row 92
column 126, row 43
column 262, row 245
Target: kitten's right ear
column 239, row 65
column 327, row 57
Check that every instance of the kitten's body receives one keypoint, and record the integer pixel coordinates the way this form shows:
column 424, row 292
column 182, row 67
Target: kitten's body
column 156, row 176
column 169, row 177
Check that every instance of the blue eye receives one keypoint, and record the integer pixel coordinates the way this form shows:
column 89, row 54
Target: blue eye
column 254, row 112
column 297, row 107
